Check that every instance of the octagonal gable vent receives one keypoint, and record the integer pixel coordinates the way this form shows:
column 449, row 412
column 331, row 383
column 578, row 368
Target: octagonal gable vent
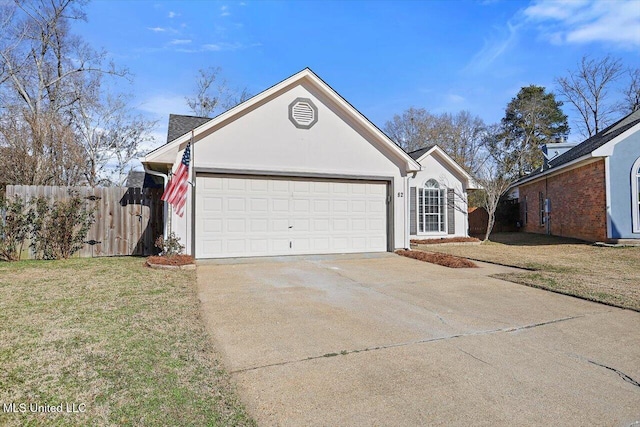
column 303, row 113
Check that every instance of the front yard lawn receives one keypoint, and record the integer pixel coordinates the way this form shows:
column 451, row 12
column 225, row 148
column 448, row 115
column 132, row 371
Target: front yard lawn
column 608, row 275
column 124, row 343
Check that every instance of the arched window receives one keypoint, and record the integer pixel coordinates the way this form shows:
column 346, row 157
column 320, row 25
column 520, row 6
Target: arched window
column 635, row 195
column 431, row 207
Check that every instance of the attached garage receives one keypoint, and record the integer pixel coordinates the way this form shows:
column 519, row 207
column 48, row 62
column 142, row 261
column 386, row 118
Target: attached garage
column 293, row 170
column 261, row 216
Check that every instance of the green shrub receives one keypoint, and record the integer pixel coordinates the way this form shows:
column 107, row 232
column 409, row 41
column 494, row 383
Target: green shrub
column 59, row 228
column 169, row 246
column 15, row 224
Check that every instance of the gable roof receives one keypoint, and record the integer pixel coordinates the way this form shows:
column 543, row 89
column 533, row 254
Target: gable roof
column 424, row 152
column 598, row 145
column 171, row 148
column 416, row 154
column 179, row 125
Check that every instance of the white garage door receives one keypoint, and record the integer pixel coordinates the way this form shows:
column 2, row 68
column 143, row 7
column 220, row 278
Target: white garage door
column 254, row 216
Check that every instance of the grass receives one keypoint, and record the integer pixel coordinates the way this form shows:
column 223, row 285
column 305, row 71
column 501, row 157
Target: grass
column 603, row 274
column 125, row 340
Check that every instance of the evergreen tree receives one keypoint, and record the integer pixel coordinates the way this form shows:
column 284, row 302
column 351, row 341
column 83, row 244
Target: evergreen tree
column 532, row 118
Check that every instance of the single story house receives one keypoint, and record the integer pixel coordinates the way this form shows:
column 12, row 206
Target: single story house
column 438, row 196
column 295, row 170
column 588, row 191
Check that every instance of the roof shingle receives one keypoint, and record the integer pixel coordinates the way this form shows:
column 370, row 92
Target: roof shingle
column 179, row 125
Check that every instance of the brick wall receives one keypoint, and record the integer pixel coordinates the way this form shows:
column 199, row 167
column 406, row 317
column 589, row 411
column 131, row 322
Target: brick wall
column 578, row 203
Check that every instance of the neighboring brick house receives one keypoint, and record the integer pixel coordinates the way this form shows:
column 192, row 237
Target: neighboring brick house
column 590, row 191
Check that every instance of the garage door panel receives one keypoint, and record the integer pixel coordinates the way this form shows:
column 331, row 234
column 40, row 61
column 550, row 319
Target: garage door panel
column 280, row 205
column 259, row 225
column 280, row 225
column 259, row 205
column 254, row 216
column 212, row 225
column 340, row 225
column 235, row 225
column 236, row 204
column 340, row 206
column 213, row 204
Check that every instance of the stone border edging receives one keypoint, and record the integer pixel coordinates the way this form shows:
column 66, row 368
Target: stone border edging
column 171, row 267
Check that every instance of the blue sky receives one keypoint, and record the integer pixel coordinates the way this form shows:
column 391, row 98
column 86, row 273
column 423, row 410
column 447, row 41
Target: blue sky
column 383, row 57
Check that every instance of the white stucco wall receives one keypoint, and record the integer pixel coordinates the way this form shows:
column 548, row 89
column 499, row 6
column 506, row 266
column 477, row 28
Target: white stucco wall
column 434, row 167
column 265, row 141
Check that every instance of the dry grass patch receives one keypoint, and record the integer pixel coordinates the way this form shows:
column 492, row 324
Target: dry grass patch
column 440, row 259
column 608, row 275
column 125, row 340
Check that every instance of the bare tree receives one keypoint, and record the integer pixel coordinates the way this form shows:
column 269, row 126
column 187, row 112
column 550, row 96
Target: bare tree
column 588, row 87
column 462, row 136
column 56, row 121
column 498, row 172
column 38, row 149
column 413, row 129
column 111, row 137
column 631, row 93
column 213, row 94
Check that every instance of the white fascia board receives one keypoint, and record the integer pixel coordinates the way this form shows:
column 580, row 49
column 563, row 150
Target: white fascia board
column 607, row 149
column 471, row 183
column 173, row 146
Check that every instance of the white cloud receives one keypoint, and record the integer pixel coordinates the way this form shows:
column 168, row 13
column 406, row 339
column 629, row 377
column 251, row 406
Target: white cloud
column 453, row 98
column 217, row 47
column 588, row 21
column 495, row 47
column 224, row 11
column 157, row 29
column 172, row 14
column 179, row 42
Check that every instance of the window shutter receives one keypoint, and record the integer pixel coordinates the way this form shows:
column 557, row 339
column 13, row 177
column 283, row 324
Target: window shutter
column 451, row 211
column 413, row 218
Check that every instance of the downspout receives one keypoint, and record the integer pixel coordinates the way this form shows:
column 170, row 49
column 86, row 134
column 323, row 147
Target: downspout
column 165, row 207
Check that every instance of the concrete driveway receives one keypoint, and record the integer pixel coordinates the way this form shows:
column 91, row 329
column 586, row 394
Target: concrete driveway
column 386, row 340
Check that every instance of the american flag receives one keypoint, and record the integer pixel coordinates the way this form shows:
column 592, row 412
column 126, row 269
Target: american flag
column 176, row 192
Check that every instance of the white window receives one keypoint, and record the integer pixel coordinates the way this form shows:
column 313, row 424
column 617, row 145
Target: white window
column 635, row 195
column 432, row 205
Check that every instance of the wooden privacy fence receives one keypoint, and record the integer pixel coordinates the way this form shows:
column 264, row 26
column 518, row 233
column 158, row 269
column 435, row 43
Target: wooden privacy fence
column 127, row 220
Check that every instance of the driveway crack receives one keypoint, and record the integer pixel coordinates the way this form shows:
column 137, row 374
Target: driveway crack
column 408, row 343
column 622, row 375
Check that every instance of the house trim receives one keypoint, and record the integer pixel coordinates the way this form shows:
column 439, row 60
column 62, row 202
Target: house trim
column 607, row 148
column 607, row 192
column 290, row 174
column 635, row 226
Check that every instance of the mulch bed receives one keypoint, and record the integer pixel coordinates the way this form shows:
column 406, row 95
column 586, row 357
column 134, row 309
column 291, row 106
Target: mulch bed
column 440, row 259
column 176, row 260
column 444, row 240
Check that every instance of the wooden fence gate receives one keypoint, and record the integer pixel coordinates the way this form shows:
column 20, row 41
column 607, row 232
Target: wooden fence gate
column 127, row 220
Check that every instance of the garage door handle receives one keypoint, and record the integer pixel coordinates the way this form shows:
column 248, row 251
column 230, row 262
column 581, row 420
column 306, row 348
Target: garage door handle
column 291, row 226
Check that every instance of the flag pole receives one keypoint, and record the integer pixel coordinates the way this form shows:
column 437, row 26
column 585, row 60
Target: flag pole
column 192, row 192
